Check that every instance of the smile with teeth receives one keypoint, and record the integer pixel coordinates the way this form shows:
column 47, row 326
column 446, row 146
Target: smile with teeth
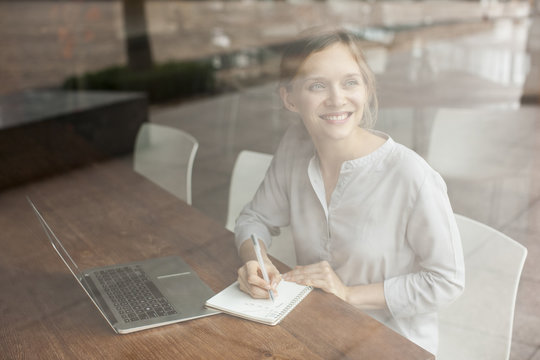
column 336, row 118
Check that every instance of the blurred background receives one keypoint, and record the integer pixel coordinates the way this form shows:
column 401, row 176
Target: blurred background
column 458, row 82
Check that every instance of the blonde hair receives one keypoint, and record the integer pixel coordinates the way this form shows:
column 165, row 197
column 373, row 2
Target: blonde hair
column 315, row 40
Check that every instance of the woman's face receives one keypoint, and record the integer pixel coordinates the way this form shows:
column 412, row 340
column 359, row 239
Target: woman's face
column 328, row 93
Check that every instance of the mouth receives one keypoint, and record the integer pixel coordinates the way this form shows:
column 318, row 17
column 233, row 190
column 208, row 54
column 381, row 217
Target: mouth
column 336, row 118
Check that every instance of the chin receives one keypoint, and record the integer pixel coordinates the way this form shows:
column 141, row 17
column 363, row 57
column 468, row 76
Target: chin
column 340, row 135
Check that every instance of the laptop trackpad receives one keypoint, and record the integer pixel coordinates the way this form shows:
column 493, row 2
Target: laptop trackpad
column 179, row 284
column 187, row 292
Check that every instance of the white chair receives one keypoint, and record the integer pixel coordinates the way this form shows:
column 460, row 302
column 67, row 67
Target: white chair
column 248, row 173
column 165, row 156
column 478, row 325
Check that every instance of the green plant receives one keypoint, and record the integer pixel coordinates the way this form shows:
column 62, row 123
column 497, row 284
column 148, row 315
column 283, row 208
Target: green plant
column 162, row 82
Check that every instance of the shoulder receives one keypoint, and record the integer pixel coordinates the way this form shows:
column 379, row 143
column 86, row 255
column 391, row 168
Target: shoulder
column 411, row 168
column 408, row 161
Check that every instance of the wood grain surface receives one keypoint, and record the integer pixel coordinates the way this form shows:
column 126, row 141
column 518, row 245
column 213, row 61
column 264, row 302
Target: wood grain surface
column 105, row 214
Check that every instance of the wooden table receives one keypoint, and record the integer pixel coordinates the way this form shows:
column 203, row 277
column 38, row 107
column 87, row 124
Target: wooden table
column 105, row 214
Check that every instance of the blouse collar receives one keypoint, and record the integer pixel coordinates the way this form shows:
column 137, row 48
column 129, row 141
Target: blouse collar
column 372, row 159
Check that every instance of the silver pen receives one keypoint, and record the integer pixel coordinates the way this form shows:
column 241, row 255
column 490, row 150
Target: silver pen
column 257, row 248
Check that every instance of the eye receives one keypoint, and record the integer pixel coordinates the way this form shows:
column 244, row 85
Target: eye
column 351, row 83
column 316, row 86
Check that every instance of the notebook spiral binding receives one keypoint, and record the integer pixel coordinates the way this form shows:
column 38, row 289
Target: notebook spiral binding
column 286, row 310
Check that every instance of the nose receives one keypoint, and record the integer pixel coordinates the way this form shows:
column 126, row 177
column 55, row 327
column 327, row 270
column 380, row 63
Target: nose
column 336, row 97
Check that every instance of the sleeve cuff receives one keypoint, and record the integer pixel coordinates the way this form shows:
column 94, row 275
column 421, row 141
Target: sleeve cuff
column 246, row 231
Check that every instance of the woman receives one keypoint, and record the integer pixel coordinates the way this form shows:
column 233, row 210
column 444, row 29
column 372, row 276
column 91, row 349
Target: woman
column 371, row 220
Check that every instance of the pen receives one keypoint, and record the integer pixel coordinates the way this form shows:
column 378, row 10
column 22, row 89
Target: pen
column 257, row 248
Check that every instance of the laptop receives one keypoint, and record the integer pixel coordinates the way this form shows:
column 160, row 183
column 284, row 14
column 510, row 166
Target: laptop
column 139, row 295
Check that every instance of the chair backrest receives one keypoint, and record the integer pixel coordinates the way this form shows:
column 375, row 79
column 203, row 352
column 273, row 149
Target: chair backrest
column 479, row 324
column 165, row 155
column 248, row 173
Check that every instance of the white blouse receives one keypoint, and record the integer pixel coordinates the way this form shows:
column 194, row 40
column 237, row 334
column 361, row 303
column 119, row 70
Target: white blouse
column 388, row 220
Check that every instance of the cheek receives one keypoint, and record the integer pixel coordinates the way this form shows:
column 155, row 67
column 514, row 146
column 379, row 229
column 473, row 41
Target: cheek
column 310, row 102
column 358, row 93
column 362, row 96
column 360, row 100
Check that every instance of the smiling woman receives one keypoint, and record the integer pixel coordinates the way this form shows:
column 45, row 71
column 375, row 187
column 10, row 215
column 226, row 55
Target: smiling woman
column 330, row 95
column 371, row 221
column 314, row 41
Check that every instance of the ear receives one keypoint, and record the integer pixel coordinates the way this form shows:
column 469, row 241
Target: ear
column 286, row 98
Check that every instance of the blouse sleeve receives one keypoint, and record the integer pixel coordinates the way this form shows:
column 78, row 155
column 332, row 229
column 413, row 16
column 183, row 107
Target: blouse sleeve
column 433, row 234
column 269, row 209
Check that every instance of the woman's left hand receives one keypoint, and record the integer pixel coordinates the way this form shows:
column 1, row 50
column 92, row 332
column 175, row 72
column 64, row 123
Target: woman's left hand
column 319, row 275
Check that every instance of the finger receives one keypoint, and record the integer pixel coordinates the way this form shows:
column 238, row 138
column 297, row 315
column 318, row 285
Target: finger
column 274, row 281
column 316, row 281
column 254, row 274
column 259, row 293
column 328, row 283
column 308, row 269
column 242, row 280
column 304, row 278
column 300, row 273
column 275, row 277
column 252, row 281
column 253, row 291
column 258, row 286
column 244, row 274
column 319, row 270
column 243, row 286
column 299, row 278
column 310, row 277
column 256, row 279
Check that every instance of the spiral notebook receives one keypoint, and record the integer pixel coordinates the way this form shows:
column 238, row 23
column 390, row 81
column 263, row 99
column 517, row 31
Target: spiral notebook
column 234, row 301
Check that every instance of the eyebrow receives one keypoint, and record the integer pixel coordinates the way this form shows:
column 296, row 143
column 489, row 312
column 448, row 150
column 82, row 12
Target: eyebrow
column 323, row 78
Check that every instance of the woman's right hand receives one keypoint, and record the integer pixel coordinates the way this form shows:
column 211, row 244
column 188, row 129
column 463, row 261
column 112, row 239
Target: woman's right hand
column 252, row 282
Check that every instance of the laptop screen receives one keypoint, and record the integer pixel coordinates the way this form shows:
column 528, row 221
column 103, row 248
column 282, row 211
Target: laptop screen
column 57, row 245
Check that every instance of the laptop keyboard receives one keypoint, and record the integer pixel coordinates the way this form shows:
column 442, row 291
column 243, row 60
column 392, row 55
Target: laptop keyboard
column 134, row 296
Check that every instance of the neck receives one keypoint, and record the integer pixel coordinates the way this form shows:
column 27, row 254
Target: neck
column 334, row 152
